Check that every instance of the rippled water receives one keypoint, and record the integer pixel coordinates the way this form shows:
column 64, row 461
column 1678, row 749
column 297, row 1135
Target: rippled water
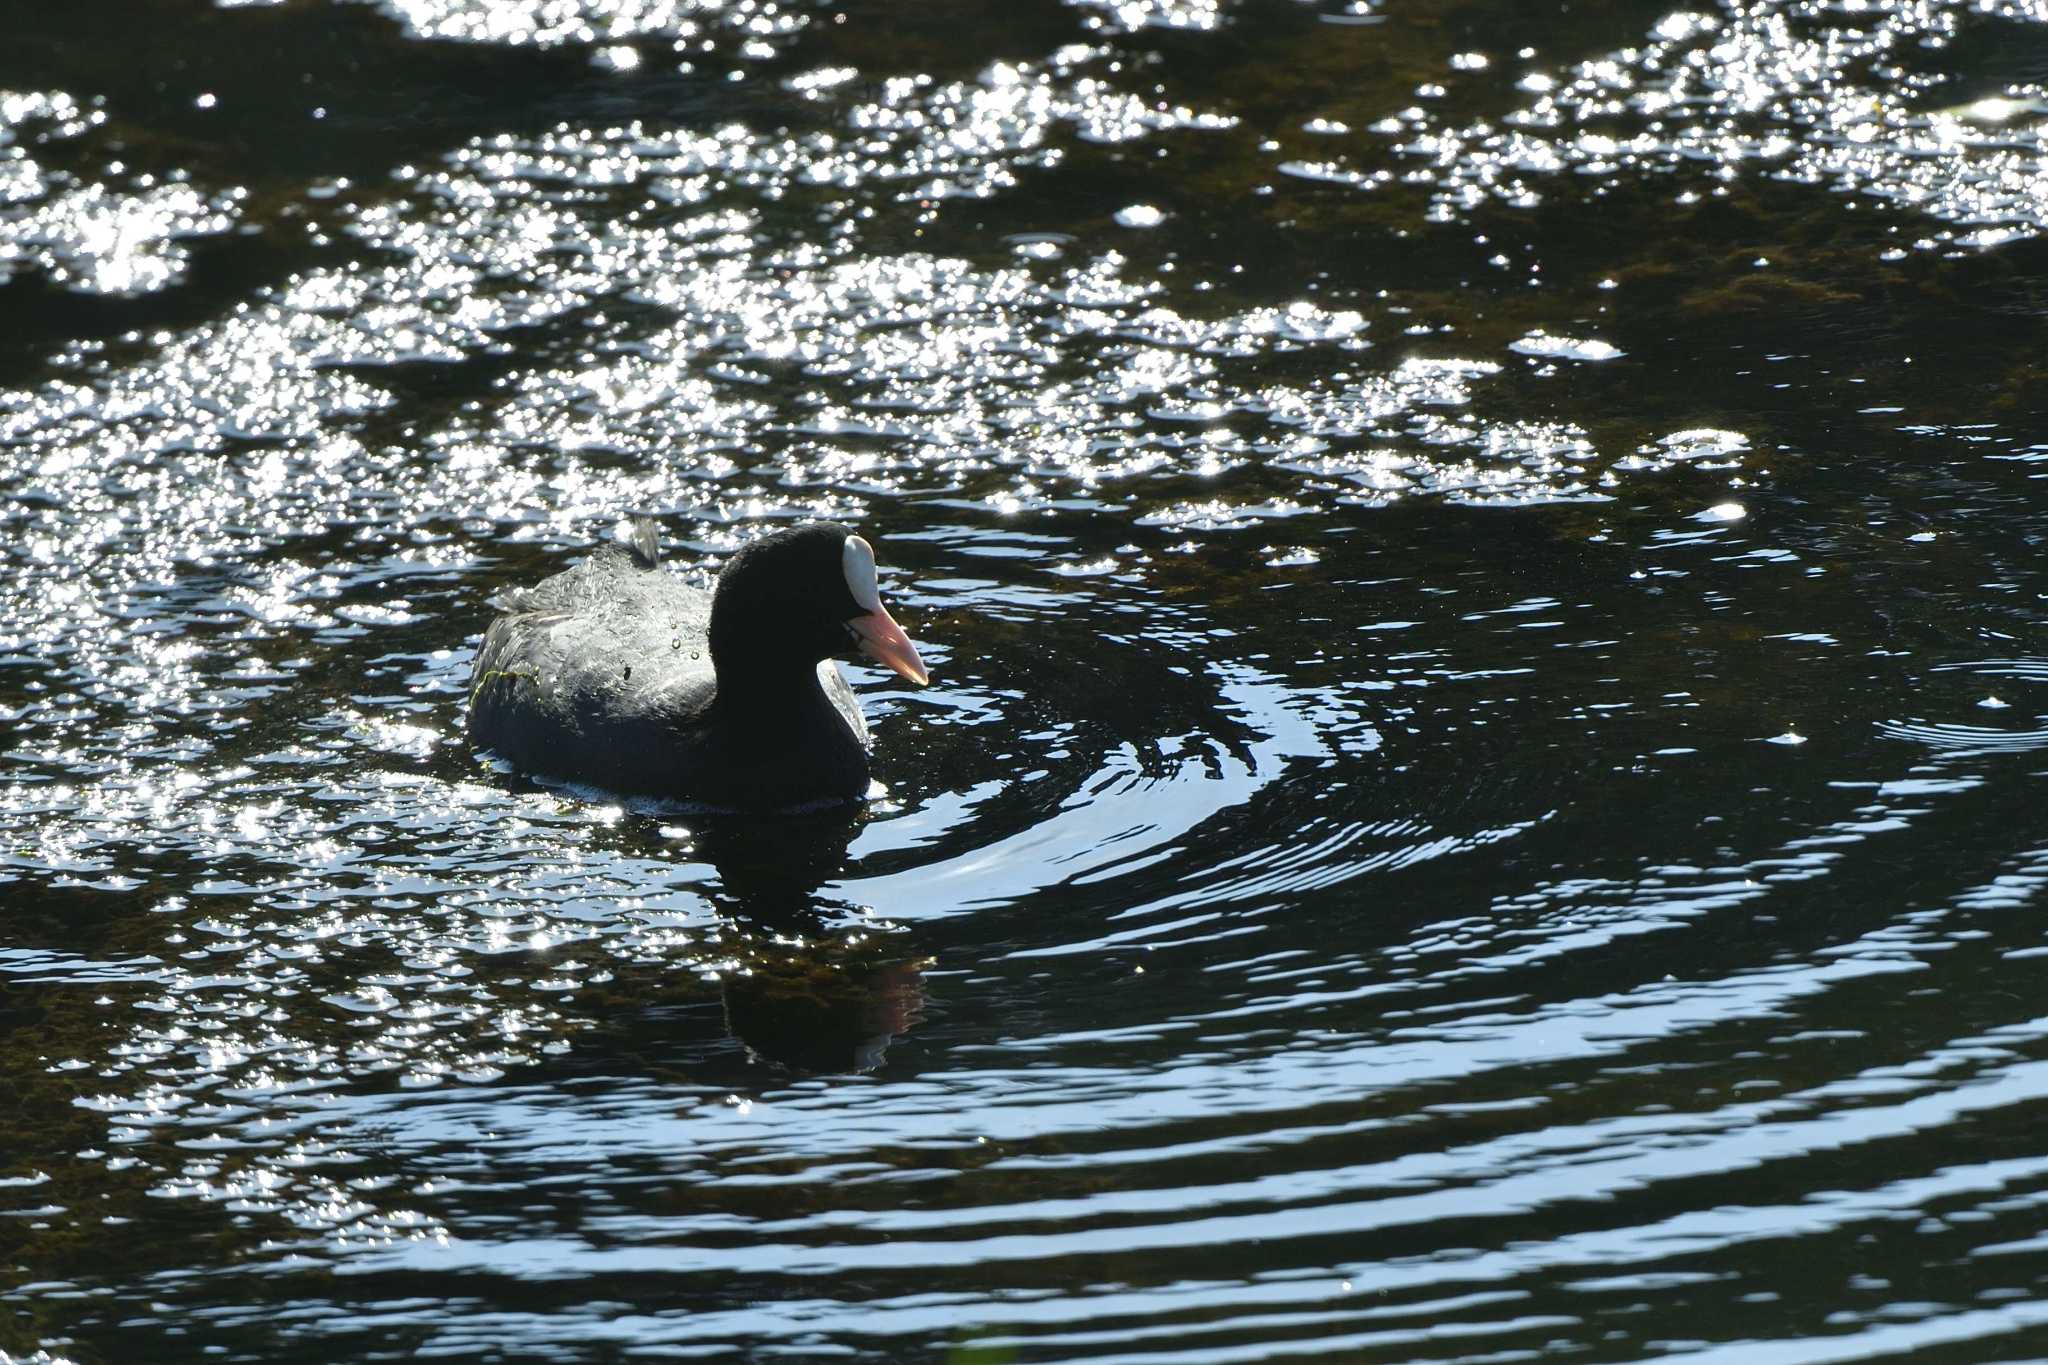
column 1481, row 796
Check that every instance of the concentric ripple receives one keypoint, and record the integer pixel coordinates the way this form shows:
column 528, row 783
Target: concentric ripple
column 1479, row 794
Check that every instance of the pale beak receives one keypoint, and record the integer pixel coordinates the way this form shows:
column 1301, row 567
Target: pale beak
column 881, row 639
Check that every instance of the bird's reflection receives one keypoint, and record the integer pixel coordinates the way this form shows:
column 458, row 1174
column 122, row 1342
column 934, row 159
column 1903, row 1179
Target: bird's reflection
column 769, row 870
column 819, row 1015
column 809, row 992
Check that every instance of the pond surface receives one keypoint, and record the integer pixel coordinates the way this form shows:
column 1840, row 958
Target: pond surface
column 1483, row 791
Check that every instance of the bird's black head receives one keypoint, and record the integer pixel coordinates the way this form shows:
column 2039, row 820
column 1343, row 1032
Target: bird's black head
column 801, row 595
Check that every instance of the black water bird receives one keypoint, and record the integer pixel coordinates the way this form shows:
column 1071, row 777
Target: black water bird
column 619, row 675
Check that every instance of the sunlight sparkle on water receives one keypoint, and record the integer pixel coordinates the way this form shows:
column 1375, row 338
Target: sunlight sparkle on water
column 1383, row 720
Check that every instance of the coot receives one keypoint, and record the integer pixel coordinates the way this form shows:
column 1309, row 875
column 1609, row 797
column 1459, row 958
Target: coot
column 617, row 674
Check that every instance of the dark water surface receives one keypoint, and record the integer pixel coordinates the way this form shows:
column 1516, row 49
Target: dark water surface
column 1483, row 793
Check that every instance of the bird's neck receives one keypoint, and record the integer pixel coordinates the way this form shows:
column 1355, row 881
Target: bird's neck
column 767, row 687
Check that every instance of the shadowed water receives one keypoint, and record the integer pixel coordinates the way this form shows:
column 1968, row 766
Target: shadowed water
column 1481, row 794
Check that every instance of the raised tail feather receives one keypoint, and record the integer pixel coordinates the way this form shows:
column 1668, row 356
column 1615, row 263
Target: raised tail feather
column 645, row 542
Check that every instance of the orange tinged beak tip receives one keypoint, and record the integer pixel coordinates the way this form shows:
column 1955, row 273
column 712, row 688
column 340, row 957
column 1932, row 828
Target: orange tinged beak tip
column 881, row 639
